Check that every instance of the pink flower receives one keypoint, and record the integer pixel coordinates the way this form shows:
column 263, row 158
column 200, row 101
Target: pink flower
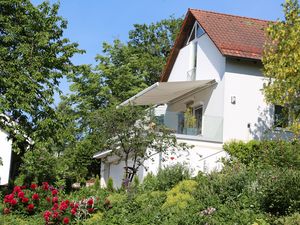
column 35, row 197
column 6, row 211
column 66, row 220
column 25, row 200
column 54, row 192
column 21, row 194
column 30, row 207
column 33, row 186
column 90, row 201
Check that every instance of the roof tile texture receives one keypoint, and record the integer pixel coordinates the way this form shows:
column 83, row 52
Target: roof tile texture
column 234, row 35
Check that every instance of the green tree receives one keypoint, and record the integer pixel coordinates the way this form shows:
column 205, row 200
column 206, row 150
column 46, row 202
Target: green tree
column 128, row 68
column 281, row 62
column 33, row 57
column 133, row 134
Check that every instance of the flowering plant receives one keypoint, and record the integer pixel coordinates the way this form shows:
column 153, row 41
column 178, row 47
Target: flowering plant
column 45, row 198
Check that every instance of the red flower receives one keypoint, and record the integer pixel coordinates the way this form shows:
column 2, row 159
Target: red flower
column 30, row 207
column 63, row 206
column 47, row 215
column 6, row 211
column 55, row 207
column 90, row 210
column 90, row 201
column 54, row 199
column 73, row 211
column 172, row 157
column 33, row 186
column 21, row 194
column 55, row 215
column 25, row 200
column 13, row 202
column 45, row 186
column 8, row 198
column 23, row 187
column 35, row 197
column 67, row 202
column 48, row 199
column 17, row 189
column 54, row 192
column 66, row 220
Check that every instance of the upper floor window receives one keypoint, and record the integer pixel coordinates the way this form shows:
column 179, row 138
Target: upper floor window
column 280, row 116
column 197, row 31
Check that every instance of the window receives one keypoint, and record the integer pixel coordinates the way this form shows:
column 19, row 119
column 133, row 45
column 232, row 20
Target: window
column 196, row 32
column 280, row 116
column 198, row 114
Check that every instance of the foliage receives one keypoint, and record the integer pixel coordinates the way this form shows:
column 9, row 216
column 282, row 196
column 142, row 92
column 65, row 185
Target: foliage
column 110, row 184
column 189, row 118
column 128, row 68
column 277, row 153
column 169, row 176
column 293, row 219
column 180, row 196
column 133, row 135
column 34, row 55
column 36, row 199
column 281, row 63
column 280, row 190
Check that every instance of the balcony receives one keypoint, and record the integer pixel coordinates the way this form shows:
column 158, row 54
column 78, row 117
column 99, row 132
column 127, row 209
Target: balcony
column 210, row 128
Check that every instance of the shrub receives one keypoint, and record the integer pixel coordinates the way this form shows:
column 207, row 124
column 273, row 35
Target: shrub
column 169, row 176
column 180, row 196
column 293, row 219
column 150, row 183
column 277, row 153
column 110, row 184
column 280, row 191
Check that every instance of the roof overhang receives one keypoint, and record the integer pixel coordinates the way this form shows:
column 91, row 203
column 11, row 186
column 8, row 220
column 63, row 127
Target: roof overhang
column 164, row 92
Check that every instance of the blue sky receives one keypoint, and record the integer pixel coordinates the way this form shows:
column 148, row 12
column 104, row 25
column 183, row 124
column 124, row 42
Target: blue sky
column 91, row 22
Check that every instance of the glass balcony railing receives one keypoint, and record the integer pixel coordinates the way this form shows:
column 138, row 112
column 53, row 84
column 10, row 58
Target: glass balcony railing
column 210, row 128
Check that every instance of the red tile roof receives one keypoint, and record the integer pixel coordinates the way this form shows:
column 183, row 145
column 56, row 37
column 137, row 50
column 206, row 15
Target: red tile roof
column 234, row 36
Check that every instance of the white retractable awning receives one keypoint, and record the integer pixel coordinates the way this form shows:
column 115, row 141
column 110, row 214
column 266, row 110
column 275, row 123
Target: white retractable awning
column 164, row 92
column 100, row 155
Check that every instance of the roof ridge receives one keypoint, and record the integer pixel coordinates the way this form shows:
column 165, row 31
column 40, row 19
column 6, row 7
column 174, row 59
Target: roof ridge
column 218, row 13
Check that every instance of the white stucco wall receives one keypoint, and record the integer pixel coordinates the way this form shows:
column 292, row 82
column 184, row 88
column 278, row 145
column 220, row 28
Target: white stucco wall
column 181, row 65
column 5, row 154
column 210, row 62
column 115, row 170
column 244, row 81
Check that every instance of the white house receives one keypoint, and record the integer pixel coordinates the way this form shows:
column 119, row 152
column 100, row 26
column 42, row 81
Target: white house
column 214, row 70
column 5, row 157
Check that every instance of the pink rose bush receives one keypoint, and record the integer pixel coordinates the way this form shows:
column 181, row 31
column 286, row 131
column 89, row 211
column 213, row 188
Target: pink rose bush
column 46, row 199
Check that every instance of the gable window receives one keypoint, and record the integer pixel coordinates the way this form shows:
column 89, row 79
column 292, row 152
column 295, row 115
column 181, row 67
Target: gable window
column 280, row 116
column 197, row 31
